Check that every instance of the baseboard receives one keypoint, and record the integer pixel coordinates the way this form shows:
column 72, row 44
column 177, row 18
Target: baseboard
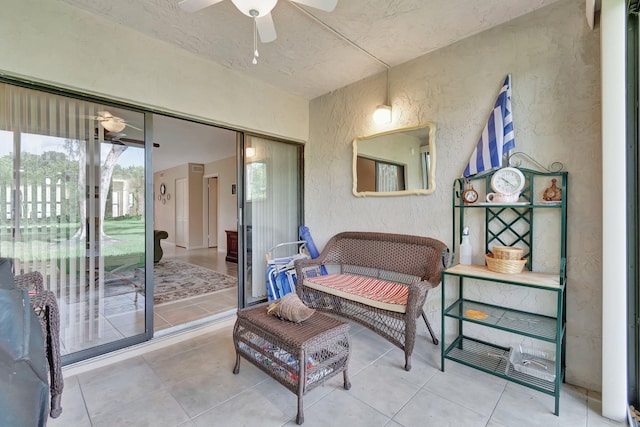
column 161, row 339
column 190, row 248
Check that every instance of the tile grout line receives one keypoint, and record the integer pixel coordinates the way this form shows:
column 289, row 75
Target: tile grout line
column 84, row 400
column 496, row 405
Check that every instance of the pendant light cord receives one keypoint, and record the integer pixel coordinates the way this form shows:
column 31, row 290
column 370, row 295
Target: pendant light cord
column 255, row 42
column 388, row 88
column 342, row 37
column 330, row 29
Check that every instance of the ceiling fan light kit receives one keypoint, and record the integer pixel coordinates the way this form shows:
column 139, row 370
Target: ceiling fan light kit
column 110, row 122
column 113, row 125
column 255, row 8
column 260, row 11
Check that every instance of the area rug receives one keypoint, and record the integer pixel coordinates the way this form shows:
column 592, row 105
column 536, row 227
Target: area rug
column 174, row 280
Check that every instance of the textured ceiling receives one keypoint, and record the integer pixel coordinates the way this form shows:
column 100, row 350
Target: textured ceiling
column 307, row 59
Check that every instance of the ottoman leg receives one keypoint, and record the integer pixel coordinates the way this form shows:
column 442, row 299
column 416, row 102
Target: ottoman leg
column 300, row 416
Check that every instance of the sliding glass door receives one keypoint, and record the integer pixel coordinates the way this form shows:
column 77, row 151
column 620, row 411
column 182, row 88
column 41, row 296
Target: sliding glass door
column 272, row 208
column 633, row 200
column 72, row 206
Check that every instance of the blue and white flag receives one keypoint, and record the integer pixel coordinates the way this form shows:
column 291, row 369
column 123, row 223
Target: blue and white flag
column 497, row 135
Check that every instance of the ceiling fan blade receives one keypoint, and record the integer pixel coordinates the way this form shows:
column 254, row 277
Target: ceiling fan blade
column 115, row 136
column 196, row 5
column 104, row 115
column 326, row 5
column 266, row 29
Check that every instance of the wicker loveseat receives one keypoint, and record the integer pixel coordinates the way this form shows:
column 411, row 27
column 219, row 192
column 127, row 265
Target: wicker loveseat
column 379, row 280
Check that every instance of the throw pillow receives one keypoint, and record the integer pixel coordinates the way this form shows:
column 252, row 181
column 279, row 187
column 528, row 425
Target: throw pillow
column 290, row 308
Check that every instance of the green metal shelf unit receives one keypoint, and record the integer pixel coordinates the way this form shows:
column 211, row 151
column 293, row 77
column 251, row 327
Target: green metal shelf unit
column 508, row 225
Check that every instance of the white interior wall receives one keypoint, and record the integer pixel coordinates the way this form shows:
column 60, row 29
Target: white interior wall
column 51, row 41
column 164, row 214
column 553, row 57
column 225, row 170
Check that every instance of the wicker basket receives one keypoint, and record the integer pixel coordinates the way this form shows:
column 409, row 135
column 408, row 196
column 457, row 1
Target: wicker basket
column 507, row 252
column 506, row 266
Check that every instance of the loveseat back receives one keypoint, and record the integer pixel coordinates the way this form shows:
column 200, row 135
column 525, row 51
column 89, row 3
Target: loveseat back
column 411, row 255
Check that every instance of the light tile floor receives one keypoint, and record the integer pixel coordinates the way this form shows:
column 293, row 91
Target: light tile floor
column 191, row 384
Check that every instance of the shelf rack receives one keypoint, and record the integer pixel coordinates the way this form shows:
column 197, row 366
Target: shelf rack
column 508, row 225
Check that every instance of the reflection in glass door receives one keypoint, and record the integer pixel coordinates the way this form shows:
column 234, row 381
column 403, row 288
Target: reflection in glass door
column 272, row 207
column 72, row 207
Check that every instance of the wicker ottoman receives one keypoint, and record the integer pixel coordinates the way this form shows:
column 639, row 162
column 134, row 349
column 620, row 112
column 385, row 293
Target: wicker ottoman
column 300, row 356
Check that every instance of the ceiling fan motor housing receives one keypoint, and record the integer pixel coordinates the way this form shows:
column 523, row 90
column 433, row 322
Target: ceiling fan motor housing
column 250, row 7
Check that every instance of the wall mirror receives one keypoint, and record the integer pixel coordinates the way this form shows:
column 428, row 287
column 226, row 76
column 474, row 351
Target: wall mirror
column 395, row 163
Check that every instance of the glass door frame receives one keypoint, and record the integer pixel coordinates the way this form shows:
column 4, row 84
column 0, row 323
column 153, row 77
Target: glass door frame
column 242, row 219
column 242, row 235
column 633, row 201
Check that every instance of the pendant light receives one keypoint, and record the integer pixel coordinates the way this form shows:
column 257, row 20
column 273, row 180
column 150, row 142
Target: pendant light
column 382, row 115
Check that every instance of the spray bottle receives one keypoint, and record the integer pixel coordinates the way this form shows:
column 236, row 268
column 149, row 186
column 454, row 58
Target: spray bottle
column 465, row 247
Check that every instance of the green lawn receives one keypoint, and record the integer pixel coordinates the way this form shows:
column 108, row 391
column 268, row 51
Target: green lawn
column 125, row 238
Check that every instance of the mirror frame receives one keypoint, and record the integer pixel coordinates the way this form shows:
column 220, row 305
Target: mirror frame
column 417, row 192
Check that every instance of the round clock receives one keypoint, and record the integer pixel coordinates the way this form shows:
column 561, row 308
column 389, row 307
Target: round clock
column 507, row 181
column 469, row 195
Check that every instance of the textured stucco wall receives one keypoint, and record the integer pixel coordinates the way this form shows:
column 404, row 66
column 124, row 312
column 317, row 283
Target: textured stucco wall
column 554, row 61
column 51, row 41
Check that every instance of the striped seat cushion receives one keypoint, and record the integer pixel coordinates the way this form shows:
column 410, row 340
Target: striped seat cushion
column 374, row 292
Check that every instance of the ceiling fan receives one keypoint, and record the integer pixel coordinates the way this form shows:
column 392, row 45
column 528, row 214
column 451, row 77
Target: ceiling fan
column 119, row 138
column 260, row 11
column 112, row 123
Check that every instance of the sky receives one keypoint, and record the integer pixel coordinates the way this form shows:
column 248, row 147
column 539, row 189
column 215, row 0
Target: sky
column 38, row 144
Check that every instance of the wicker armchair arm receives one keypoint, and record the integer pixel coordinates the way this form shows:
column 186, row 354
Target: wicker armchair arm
column 32, row 280
column 417, row 297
